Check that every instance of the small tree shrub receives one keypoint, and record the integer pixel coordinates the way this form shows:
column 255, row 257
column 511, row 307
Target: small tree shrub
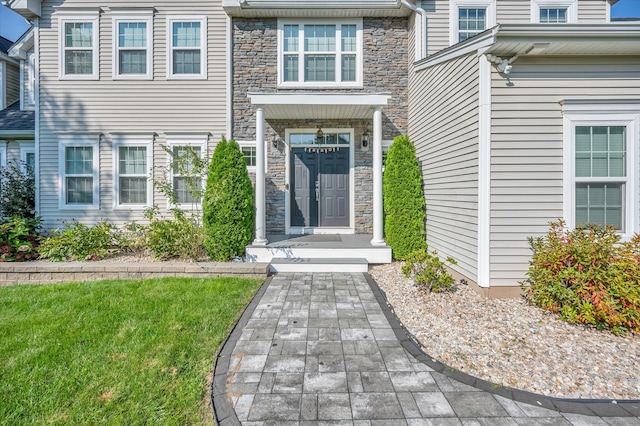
column 180, row 238
column 427, row 270
column 228, row 205
column 78, row 241
column 404, row 206
column 19, row 239
column 17, row 191
column 587, row 276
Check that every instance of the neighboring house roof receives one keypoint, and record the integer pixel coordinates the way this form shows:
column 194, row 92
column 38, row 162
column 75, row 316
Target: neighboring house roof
column 16, row 123
column 5, row 45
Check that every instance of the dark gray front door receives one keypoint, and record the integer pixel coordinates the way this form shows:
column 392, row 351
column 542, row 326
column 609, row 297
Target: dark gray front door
column 320, row 188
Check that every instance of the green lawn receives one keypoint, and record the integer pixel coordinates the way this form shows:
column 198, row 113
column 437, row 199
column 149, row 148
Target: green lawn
column 114, row 352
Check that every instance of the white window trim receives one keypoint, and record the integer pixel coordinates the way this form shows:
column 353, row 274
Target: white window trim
column 78, row 141
column 3, row 154
column 132, row 16
column 319, row 84
column 138, row 141
column 194, row 143
column 490, row 5
column 84, row 17
column 570, row 5
column 242, row 144
column 203, row 47
column 608, row 116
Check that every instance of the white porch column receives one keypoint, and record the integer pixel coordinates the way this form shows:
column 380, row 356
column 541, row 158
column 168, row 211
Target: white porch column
column 261, row 201
column 378, row 232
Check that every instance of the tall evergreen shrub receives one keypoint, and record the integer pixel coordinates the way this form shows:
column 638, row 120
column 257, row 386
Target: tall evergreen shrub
column 404, row 206
column 228, row 206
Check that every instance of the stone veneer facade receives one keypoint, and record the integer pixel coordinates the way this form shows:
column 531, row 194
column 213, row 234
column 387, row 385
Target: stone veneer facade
column 385, row 60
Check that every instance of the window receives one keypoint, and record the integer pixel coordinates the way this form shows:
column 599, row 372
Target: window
column 553, row 15
column 78, row 167
column 132, row 169
column 79, row 47
column 471, row 22
column 320, row 54
column 249, row 151
column 470, row 17
column 601, row 174
column 187, row 48
column 554, row 11
column 185, row 173
column 132, row 46
column 28, row 155
column 386, row 144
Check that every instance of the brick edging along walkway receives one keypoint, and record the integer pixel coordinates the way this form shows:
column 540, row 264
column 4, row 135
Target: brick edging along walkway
column 44, row 272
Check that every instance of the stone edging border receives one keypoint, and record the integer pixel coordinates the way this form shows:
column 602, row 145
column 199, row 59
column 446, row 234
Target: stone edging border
column 587, row 407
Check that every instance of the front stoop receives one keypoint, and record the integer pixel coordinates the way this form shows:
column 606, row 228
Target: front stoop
column 282, row 264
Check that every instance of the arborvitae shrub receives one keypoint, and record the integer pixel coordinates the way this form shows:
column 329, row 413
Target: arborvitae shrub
column 404, row 206
column 228, row 206
column 588, row 276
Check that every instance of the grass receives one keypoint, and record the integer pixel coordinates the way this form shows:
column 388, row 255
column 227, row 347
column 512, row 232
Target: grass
column 114, row 352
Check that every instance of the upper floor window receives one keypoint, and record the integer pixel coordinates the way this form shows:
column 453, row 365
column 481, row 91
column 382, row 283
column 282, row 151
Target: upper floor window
column 187, row 48
column 79, row 47
column 554, row 11
column 320, row 53
column 132, row 46
column 470, row 17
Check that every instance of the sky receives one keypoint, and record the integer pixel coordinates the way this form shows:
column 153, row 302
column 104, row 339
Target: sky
column 13, row 25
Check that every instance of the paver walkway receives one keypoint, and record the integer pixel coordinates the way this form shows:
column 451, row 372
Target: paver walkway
column 323, row 348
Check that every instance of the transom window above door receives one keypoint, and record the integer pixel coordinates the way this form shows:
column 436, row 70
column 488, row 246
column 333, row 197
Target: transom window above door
column 320, row 53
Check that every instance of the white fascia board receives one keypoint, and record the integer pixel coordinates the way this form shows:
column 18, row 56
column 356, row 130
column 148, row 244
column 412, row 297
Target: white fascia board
column 378, row 99
column 591, row 31
column 478, row 44
column 311, row 4
column 22, row 45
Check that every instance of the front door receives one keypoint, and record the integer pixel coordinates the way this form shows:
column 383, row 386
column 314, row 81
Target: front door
column 319, row 188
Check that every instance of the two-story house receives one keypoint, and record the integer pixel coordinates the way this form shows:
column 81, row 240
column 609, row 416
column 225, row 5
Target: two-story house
column 17, row 117
column 521, row 111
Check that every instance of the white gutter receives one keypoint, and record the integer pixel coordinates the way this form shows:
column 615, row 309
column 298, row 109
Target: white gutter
column 421, row 32
column 229, row 96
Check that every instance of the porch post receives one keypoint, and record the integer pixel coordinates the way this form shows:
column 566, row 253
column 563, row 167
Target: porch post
column 261, row 202
column 378, row 233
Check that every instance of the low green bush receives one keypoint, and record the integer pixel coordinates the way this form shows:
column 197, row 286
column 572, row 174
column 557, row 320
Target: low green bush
column 19, row 239
column 587, row 276
column 180, row 237
column 77, row 241
column 427, row 270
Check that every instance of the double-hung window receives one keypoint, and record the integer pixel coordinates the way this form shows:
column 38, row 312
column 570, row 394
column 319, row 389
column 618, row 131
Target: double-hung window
column 187, row 47
column 186, row 170
column 469, row 18
column 320, row 53
column 132, row 45
column 554, row 11
column 79, row 171
column 132, row 173
column 79, row 47
column 601, row 176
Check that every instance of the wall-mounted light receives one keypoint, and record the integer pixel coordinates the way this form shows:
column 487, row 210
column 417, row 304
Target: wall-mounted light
column 319, row 133
column 274, row 141
column 365, row 141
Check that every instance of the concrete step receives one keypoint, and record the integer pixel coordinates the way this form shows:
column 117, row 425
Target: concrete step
column 305, row 264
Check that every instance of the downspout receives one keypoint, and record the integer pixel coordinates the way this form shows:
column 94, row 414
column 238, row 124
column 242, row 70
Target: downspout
column 229, row 121
column 421, row 33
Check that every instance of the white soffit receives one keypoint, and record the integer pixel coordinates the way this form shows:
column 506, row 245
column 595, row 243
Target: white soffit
column 301, row 106
column 314, row 8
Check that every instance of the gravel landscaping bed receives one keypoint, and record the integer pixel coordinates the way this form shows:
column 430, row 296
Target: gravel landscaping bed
column 509, row 342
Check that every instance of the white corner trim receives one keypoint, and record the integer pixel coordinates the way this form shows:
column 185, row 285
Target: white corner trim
column 229, row 79
column 484, row 173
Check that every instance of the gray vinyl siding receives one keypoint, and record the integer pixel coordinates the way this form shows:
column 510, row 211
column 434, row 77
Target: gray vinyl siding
column 126, row 107
column 592, row 11
column 443, row 125
column 527, row 147
column 513, row 11
column 437, row 25
column 13, row 83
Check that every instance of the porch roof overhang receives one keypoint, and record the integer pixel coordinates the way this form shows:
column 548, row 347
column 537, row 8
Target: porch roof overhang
column 520, row 40
column 314, row 8
column 301, row 106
